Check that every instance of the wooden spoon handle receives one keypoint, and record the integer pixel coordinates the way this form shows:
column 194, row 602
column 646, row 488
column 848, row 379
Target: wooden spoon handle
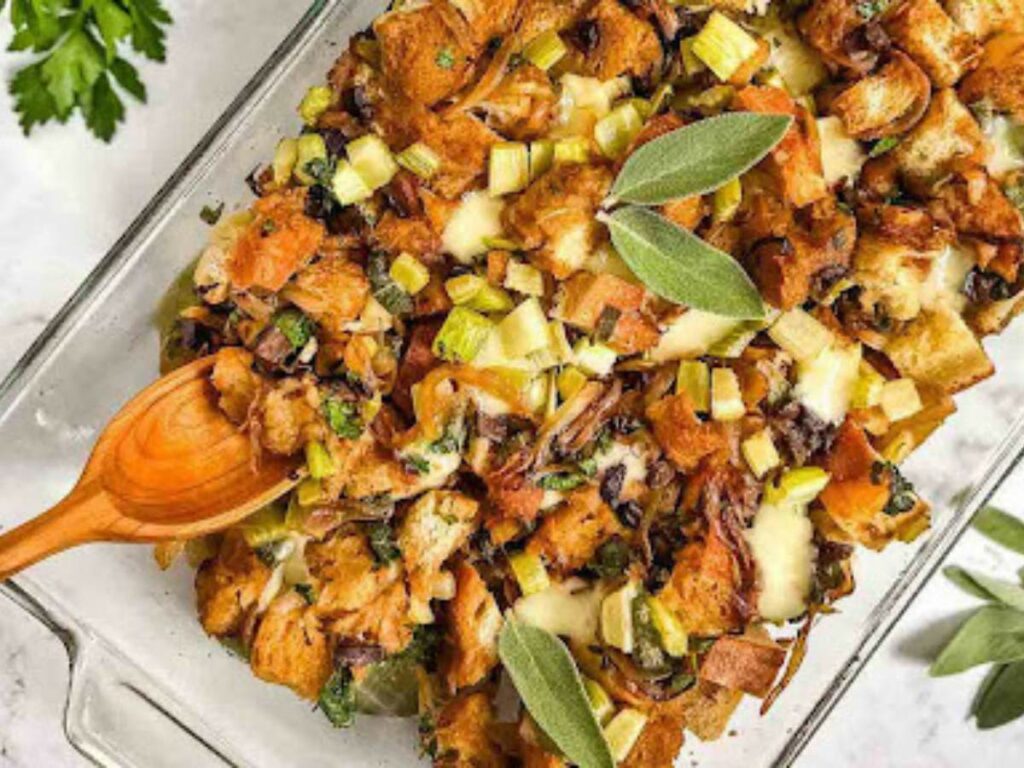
column 80, row 518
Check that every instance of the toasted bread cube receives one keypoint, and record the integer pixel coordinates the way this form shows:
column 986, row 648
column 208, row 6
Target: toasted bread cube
column 939, row 348
column 925, row 31
column 947, row 133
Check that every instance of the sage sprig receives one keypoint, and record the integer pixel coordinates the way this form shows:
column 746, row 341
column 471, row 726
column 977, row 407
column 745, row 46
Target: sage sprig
column 679, row 266
column 693, row 160
column 698, row 158
column 994, row 633
column 547, row 681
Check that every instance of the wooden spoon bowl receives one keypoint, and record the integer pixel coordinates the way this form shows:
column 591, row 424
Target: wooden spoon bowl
column 170, row 465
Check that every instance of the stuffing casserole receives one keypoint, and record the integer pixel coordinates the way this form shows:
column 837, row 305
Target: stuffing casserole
column 494, row 415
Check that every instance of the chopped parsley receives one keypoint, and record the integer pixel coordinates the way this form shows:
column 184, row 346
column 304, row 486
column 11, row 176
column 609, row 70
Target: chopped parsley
column 562, row 481
column 868, row 9
column 211, row 213
column 611, row 559
column 382, row 542
column 882, row 146
column 445, row 58
column 295, row 326
column 416, row 464
column 385, row 290
column 307, row 591
column 269, row 227
column 902, row 497
column 343, row 418
column 338, row 699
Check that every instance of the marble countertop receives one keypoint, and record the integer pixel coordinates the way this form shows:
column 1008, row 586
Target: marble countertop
column 66, row 198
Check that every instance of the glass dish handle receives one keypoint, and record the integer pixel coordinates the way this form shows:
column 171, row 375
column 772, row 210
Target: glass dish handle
column 114, row 714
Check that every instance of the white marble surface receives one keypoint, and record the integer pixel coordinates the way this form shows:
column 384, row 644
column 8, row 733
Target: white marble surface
column 66, row 198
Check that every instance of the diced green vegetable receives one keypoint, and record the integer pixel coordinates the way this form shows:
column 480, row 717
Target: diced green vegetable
column 562, row 481
column 900, row 399
column 372, row 160
column 343, row 418
column 800, row 334
column 572, row 150
column 295, row 326
column 611, row 559
column 570, row 381
column 617, row 618
column 382, row 542
column 545, row 50
column 727, row 200
column 616, row 131
column 525, row 329
column 348, row 186
column 530, row 572
column 337, row 699
column 316, row 101
column 542, row 157
column 623, row 732
column 867, row 392
column 599, row 699
column 760, row 453
column 798, row 486
column 524, row 278
column 311, row 150
column 691, row 64
column 385, row 289
column 286, row 156
column 673, row 635
column 726, row 398
column 265, row 525
column 463, row 333
column 462, row 288
column 420, row 160
column 491, row 299
column 509, row 168
column 723, row 45
column 694, row 378
column 309, row 492
column 409, row 273
column 319, row 461
column 593, row 358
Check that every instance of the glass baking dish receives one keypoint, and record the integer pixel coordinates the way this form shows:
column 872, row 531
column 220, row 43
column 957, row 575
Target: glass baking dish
column 148, row 688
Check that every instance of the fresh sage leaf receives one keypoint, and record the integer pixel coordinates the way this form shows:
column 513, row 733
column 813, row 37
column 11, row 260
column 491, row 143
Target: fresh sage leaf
column 985, row 587
column 698, row 158
column 1002, row 528
column 992, row 634
column 546, row 678
column 1001, row 699
column 679, row 266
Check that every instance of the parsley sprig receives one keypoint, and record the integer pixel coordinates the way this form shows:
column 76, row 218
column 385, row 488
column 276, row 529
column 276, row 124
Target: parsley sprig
column 82, row 67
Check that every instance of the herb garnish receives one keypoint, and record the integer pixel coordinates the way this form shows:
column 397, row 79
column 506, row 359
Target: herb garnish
column 82, row 62
column 382, row 542
column 211, row 213
column 549, row 684
column 338, row 700
column 445, row 58
column 343, row 418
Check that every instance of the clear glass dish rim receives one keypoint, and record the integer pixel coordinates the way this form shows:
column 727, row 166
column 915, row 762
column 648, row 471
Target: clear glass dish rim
column 999, row 464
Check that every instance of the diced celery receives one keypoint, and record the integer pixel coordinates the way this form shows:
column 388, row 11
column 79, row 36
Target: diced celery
column 723, row 45
column 802, row 486
column 594, row 358
column 617, row 618
column 348, row 186
column 372, row 160
column 726, row 399
column 867, row 392
column 570, row 381
column 265, row 525
column 525, row 329
column 661, row 97
column 691, row 64
column 524, row 278
column 760, row 453
column 316, row 101
column 285, row 158
column 410, row 273
column 800, row 334
column 623, row 732
column 727, row 200
column 899, row 448
column 461, row 336
column 310, row 147
column 309, row 492
column 670, row 629
column 490, row 298
column 529, row 572
column 462, row 288
column 900, row 399
column 694, row 379
column 545, row 50
column 736, row 341
column 614, row 132
column 509, row 168
column 420, row 160
column 502, row 243
column 542, row 157
column 572, row 150
column 600, row 702
column 560, row 342
column 319, row 461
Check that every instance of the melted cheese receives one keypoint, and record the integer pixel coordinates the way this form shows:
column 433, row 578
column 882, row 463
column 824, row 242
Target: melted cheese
column 569, row 608
column 781, row 542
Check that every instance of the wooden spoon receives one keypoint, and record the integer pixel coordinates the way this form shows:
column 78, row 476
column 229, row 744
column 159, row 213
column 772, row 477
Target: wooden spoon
column 170, row 465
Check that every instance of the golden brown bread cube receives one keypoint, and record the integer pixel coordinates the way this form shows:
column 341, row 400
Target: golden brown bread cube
column 570, row 535
column 229, row 585
column 290, row 416
column 237, row 383
column 744, row 664
column 474, row 621
column 707, row 708
column 333, row 292
column 290, row 648
column 948, row 134
column 938, row 348
column 626, row 45
column 981, row 18
column 924, row 30
column 885, row 103
column 999, row 78
column 462, row 734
